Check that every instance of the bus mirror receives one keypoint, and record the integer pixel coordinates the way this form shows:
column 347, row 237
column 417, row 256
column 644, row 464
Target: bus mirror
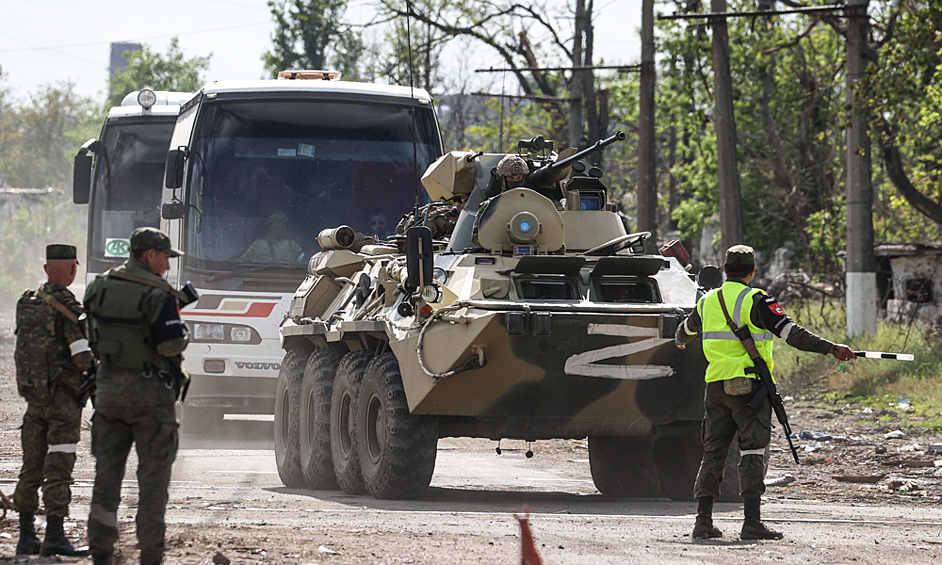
column 172, row 210
column 419, row 257
column 81, row 178
column 176, row 160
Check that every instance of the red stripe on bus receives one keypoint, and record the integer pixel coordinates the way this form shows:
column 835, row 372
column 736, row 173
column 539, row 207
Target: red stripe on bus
column 256, row 310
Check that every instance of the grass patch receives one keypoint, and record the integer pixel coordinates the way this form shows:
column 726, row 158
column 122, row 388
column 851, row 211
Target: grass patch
column 871, row 382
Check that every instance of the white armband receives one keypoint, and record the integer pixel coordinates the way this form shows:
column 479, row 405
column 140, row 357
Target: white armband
column 79, row 346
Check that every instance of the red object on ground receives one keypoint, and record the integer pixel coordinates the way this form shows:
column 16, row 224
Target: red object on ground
column 528, row 554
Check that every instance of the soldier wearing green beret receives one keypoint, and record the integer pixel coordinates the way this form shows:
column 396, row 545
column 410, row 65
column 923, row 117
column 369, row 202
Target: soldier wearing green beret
column 51, row 356
column 730, row 385
column 136, row 331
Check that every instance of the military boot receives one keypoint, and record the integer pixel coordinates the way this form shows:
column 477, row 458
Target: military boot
column 704, row 528
column 752, row 527
column 55, row 542
column 28, row 543
column 151, row 558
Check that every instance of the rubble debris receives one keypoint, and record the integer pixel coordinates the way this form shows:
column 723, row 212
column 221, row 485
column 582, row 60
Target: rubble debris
column 895, row 434
column 814, row 436
column 220, row 559
column 903, row 487
column 779, row 481
column 321, row 550
column 911, row 463
column 937, row 447
column 866, row 479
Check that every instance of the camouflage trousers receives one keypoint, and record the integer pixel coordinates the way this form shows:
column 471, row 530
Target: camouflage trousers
column 50, row 434
column 153, row 430
column 724, row 415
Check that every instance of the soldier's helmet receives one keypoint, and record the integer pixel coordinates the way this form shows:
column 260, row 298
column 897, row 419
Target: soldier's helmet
column 512, row 166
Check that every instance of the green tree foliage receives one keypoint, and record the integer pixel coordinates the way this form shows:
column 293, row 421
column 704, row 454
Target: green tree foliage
column 49, row 218
column 311, row 34
column 148, row 68
column 903, row 90
column 38, row 138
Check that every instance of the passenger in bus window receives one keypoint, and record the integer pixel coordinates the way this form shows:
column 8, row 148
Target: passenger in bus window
column 276, row 246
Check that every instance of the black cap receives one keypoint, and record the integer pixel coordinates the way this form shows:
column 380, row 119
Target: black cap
column 55, row 251
column 151, row 238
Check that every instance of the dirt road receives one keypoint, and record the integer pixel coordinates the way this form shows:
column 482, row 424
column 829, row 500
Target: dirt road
column 233, row 503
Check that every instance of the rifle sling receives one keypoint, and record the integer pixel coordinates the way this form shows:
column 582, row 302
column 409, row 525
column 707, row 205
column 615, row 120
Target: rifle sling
column 747, row 342
column 57, row 305
column 162, row 285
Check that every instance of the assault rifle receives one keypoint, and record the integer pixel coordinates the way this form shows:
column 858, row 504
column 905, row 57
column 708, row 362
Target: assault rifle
column 764, row 376
column 767, row 387
column 87, row 390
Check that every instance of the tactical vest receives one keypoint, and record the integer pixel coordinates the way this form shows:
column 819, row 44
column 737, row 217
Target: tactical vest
column 119, row 324
column 725, row 353
column 39, row 356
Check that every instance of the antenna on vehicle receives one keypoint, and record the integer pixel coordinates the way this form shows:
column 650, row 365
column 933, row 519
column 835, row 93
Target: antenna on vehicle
column 415, row 132
column 503, row 94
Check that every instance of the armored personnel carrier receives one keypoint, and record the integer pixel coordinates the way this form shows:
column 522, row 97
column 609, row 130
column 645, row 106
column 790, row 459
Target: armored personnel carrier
column 535, row 316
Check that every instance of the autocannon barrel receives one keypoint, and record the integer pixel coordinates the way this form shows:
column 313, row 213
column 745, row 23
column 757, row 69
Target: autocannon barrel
column 546, row 174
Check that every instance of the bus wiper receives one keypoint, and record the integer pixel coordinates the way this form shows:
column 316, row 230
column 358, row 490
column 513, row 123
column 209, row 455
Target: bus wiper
column 258, row 269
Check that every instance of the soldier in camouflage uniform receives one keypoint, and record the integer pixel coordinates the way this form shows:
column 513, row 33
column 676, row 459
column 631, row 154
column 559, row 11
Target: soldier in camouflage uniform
column 730, row 385
column 51, row 356
column 135, row 327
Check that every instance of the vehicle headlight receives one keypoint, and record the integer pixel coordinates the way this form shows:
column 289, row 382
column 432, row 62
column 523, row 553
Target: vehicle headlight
column 432, row 293
column 146, row 98
column 239, row 333
column 208, row 332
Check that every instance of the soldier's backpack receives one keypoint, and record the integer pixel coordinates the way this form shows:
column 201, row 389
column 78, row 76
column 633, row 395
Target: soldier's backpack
column 36, row 347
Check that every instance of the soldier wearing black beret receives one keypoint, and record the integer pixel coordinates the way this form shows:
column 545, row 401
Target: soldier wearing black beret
column 51, row 356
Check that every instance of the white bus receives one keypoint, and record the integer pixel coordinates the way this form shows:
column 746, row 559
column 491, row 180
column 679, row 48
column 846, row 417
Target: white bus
column 122, row 184
column 256, row 169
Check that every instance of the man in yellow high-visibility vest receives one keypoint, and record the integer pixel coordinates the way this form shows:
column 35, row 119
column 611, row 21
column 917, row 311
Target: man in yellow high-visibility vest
column 730, row 386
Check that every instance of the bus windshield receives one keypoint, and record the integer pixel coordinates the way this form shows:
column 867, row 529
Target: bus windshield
column 126, row 188
column 268, row 176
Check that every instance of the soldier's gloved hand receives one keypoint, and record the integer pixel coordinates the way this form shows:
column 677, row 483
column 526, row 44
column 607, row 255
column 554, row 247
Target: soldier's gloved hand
column 841, row 352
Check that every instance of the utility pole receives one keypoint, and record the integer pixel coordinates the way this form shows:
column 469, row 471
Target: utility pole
column 860, row 266
column 575, row 86
column 725, row 124
column 647, row 172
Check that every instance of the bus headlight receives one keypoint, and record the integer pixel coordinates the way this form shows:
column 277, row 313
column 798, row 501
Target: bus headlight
column 146, row 98
column 208, row 332
column 241, row 333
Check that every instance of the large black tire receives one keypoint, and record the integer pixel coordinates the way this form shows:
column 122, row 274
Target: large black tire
column 287, row 420
column 397, row 450
column 623, row 467
column 678, row 461
column 343, row 412
column 314, row 440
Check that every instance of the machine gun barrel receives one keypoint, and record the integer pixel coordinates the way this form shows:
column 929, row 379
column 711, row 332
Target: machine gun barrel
column 546, row 174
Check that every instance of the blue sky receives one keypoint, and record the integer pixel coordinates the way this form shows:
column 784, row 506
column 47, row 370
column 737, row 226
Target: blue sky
column 46, row 41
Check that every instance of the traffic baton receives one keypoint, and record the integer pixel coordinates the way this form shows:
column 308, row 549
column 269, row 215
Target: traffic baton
column 882, row 355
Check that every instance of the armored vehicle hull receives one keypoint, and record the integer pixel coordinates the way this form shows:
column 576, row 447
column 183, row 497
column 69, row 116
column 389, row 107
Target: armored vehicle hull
column 537, row 319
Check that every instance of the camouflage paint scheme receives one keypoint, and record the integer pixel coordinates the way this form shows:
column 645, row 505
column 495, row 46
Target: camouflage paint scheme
column 534, row 386
column 488, row 353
